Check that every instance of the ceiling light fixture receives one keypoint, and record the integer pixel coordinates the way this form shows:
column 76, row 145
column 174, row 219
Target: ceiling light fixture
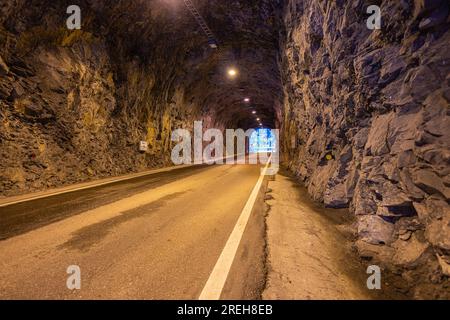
column 247, row 100
column 232, row 72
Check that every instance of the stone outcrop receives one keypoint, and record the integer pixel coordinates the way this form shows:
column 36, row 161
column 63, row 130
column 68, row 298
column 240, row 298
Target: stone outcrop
column 366, row 126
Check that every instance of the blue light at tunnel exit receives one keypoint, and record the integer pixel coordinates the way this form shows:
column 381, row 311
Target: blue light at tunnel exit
column 262, row 140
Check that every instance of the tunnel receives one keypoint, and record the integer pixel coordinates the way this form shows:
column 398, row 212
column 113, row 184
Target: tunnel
column 357, row 92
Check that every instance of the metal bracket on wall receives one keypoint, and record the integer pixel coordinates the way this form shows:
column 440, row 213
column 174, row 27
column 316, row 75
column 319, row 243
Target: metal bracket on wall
column 201, row 22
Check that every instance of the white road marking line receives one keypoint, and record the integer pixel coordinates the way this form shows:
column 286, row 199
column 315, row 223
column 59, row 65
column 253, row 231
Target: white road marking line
column 93, row 185
column 216, row 281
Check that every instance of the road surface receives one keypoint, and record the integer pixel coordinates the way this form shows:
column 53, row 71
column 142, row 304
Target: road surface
column 152, row 237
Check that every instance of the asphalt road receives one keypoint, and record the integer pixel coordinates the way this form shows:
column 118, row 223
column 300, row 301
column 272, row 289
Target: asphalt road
column 151, row 237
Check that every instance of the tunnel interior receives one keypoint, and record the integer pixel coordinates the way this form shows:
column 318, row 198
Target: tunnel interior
column 363, row 114
column 247, row 36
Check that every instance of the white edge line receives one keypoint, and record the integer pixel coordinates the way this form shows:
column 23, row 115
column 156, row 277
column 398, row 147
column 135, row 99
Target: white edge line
column 216, row 281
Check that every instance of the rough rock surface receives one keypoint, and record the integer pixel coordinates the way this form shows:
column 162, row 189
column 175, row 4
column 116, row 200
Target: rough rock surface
column 366, row 126
column 74, row 105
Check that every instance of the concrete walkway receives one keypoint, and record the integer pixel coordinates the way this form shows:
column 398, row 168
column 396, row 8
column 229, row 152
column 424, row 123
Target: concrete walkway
column 309, row 253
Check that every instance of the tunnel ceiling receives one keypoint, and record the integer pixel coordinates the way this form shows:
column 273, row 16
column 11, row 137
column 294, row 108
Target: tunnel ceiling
column 247, row 34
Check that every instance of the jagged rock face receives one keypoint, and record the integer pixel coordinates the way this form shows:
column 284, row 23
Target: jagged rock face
column 75, row 104
column 366, row 125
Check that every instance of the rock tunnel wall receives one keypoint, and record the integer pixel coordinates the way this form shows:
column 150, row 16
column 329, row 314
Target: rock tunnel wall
column 366, row 126
column 364, row 120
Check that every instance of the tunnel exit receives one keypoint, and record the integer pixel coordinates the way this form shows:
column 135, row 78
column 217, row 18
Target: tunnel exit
column 262, row 140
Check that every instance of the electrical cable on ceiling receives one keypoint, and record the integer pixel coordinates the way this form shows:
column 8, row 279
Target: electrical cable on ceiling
column 201, row 22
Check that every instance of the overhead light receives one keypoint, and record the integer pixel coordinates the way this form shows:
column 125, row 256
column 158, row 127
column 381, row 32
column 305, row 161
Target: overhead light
column 247, row 100
column 232, row 72
column 257, row 119
column 254, row 112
